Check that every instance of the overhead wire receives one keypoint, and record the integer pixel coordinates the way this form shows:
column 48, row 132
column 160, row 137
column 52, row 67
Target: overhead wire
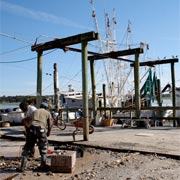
column 15, row 38
column 47, row 87
column 13, row 50
column 22, row 40
column 25, row 60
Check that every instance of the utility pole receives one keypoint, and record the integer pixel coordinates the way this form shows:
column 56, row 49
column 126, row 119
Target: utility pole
column 56, row 88
column 39, row 79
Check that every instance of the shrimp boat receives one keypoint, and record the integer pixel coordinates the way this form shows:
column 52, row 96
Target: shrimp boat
column 73, row 99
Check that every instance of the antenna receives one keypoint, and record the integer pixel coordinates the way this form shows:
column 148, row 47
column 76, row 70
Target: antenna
column 128, row 35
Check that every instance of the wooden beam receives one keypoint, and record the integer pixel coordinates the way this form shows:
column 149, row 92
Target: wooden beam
column 116, row 54
column 155, row 62
column 60, row 43
column 66, row 48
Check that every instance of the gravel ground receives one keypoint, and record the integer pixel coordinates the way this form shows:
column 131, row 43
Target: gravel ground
column 101, row 165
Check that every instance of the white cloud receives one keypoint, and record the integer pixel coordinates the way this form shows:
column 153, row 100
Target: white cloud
column 38, row 15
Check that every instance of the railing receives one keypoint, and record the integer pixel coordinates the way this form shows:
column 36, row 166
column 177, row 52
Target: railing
column 117, row 112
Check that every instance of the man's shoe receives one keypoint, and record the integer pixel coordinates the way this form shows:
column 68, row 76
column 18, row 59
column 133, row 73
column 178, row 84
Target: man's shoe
column 23, row 165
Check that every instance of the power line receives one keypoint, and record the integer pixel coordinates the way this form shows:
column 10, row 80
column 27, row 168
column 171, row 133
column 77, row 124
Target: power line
column 15, row 38
column 7, row 62
column 22, row 40
column 30, row 59
column 14, row 50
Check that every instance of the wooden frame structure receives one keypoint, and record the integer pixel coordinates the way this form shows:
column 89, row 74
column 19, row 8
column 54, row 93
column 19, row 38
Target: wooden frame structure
column 136, row 64
column 166, row 61
column 115, row 55
column 62, row 43
column 83, row 39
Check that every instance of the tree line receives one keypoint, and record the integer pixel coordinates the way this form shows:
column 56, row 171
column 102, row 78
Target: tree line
column 17, row 99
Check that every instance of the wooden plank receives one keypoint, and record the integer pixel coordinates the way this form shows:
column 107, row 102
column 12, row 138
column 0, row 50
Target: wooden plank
column 60, row 43
column 154, row 108
column 156, row 62
column 66, row 48
column 116, row 54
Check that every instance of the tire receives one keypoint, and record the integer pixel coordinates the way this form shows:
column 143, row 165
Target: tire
column 91, row 129
column 61, row 125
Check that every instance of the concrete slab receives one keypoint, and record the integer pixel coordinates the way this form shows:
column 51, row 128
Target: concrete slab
column 159, row 140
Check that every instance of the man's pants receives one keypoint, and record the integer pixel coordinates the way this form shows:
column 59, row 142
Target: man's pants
column 35, row 135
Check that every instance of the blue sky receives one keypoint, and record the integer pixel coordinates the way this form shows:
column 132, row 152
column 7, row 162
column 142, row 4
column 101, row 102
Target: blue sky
column 155, row 22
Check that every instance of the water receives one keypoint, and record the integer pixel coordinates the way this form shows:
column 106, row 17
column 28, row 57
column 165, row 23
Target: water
column 166, row 102
column 9, row 106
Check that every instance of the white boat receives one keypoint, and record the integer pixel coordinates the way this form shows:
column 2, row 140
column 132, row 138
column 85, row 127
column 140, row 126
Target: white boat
column 73, row 99
column 14, row 117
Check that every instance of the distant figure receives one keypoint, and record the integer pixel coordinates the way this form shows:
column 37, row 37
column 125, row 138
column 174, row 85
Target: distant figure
column 27, row 109
column 80, row 114
column 39, row 130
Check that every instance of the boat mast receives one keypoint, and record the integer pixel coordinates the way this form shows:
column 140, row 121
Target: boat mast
column 101, row 50
column 117, row 72
column 125, row 70
column 111, row 64
column 96, row 25
column 111, row 67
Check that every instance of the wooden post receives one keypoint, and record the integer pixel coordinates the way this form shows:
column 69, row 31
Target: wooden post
column 85, row 91
column 159, row 98
column 56, row 88
column 173, row 93
column 93, row 89
column 104, row 97
column 137, row 91
column 39, row 80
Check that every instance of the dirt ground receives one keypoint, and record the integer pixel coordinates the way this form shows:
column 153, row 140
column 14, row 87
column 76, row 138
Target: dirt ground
column 101, row 165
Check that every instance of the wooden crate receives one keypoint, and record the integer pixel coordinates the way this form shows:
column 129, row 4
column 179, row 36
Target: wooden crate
column 107, row 122
column 63, row 163
column 5, row 124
